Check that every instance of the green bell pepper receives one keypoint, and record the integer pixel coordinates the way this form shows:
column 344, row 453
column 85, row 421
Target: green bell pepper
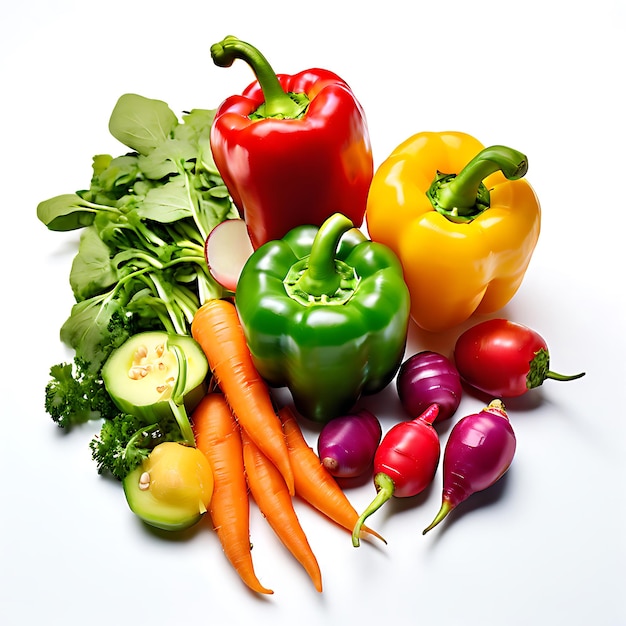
column 325, row 312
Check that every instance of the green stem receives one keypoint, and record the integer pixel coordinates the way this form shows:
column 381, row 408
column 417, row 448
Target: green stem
column 461, row 197
column 177, row 400
column 446, row 507
column 321, row 276
column 186, row 236
column 193, row 204
column 142, row 433
column 563, row 377
column 187, row 301
column 385, row 490
column 277, row 102
column 149, row 236
column 132, row 254
column 540, row 371
column 207, row 287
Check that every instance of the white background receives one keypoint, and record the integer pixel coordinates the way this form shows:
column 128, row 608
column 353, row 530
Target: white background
column 544, row 546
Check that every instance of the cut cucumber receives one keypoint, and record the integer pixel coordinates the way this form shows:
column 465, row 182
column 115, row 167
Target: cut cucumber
column 141, row 374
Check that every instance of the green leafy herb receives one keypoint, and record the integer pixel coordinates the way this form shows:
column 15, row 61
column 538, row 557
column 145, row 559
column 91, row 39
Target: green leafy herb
column 75, row 394
column 140, row 263
column 145, row 218
column 124, row 442
column 141, row 124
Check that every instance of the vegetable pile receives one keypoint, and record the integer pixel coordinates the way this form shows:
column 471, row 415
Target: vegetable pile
column 198, row 289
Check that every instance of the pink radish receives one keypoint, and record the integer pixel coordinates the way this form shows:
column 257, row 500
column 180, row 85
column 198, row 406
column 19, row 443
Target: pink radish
column 227, row 248
column 404, row 464
column 479, row 450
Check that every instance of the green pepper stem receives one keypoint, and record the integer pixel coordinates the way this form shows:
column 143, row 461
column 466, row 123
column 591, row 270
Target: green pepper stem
column 277, row 102
column 463, row 196
column 321, row 276
column 385, row 490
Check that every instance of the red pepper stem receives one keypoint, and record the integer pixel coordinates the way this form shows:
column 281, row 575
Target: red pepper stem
column 277, row 102
column 463, row 196
column 385, row 489
column 321, row 276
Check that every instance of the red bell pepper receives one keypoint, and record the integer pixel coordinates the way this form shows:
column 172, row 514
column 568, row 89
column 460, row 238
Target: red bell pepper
column 292, row 149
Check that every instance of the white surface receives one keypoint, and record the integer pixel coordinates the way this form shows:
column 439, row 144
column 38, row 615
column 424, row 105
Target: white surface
column 546, row 545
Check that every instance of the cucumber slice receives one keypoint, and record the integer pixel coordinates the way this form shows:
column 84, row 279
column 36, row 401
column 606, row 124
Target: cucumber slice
column 173, row 487
column 141, row 374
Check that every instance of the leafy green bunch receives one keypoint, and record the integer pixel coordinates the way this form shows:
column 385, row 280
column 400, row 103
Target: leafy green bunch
column 140, row 263
column 144, row 221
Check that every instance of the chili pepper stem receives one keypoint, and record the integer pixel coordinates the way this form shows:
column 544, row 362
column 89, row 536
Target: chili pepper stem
column 385, row 489
column 540, row 371
column 563, row 377
column 277, row 102
column 461, row 197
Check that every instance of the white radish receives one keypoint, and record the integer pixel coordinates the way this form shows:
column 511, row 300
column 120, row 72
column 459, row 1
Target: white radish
column 227, row 248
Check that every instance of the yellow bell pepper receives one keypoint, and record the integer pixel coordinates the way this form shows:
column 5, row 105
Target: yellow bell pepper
column 461, row 219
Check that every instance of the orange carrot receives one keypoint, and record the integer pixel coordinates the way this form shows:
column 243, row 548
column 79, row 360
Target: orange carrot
column 313, row 481
column 269, row 491
column 217, row 437
column 216, row 327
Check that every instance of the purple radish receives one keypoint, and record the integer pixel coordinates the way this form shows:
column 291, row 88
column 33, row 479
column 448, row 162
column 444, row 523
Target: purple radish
column 479, row 450
column 346, row 444
column 426, row 378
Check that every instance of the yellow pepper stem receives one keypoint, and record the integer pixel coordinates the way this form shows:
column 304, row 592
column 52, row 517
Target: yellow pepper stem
column 462, row 197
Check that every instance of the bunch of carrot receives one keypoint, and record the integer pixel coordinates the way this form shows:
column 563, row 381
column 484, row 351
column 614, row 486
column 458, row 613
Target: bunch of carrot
column 255, row 450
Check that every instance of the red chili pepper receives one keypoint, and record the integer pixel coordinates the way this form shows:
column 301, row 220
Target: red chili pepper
column 292, row 149
column 504, row 359
column 405, row 462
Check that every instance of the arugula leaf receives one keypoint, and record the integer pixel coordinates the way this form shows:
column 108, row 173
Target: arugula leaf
column 141, row 123
column 167, row 203
column 170, row 157
column 87, row 328
column 65, row 212
column 113, row 176
column 92, row 271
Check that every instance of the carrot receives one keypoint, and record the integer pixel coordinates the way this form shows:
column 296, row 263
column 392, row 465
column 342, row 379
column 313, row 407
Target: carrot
column 270, row 492
column 216, row 327
column 217, row 437
column 313, row 481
